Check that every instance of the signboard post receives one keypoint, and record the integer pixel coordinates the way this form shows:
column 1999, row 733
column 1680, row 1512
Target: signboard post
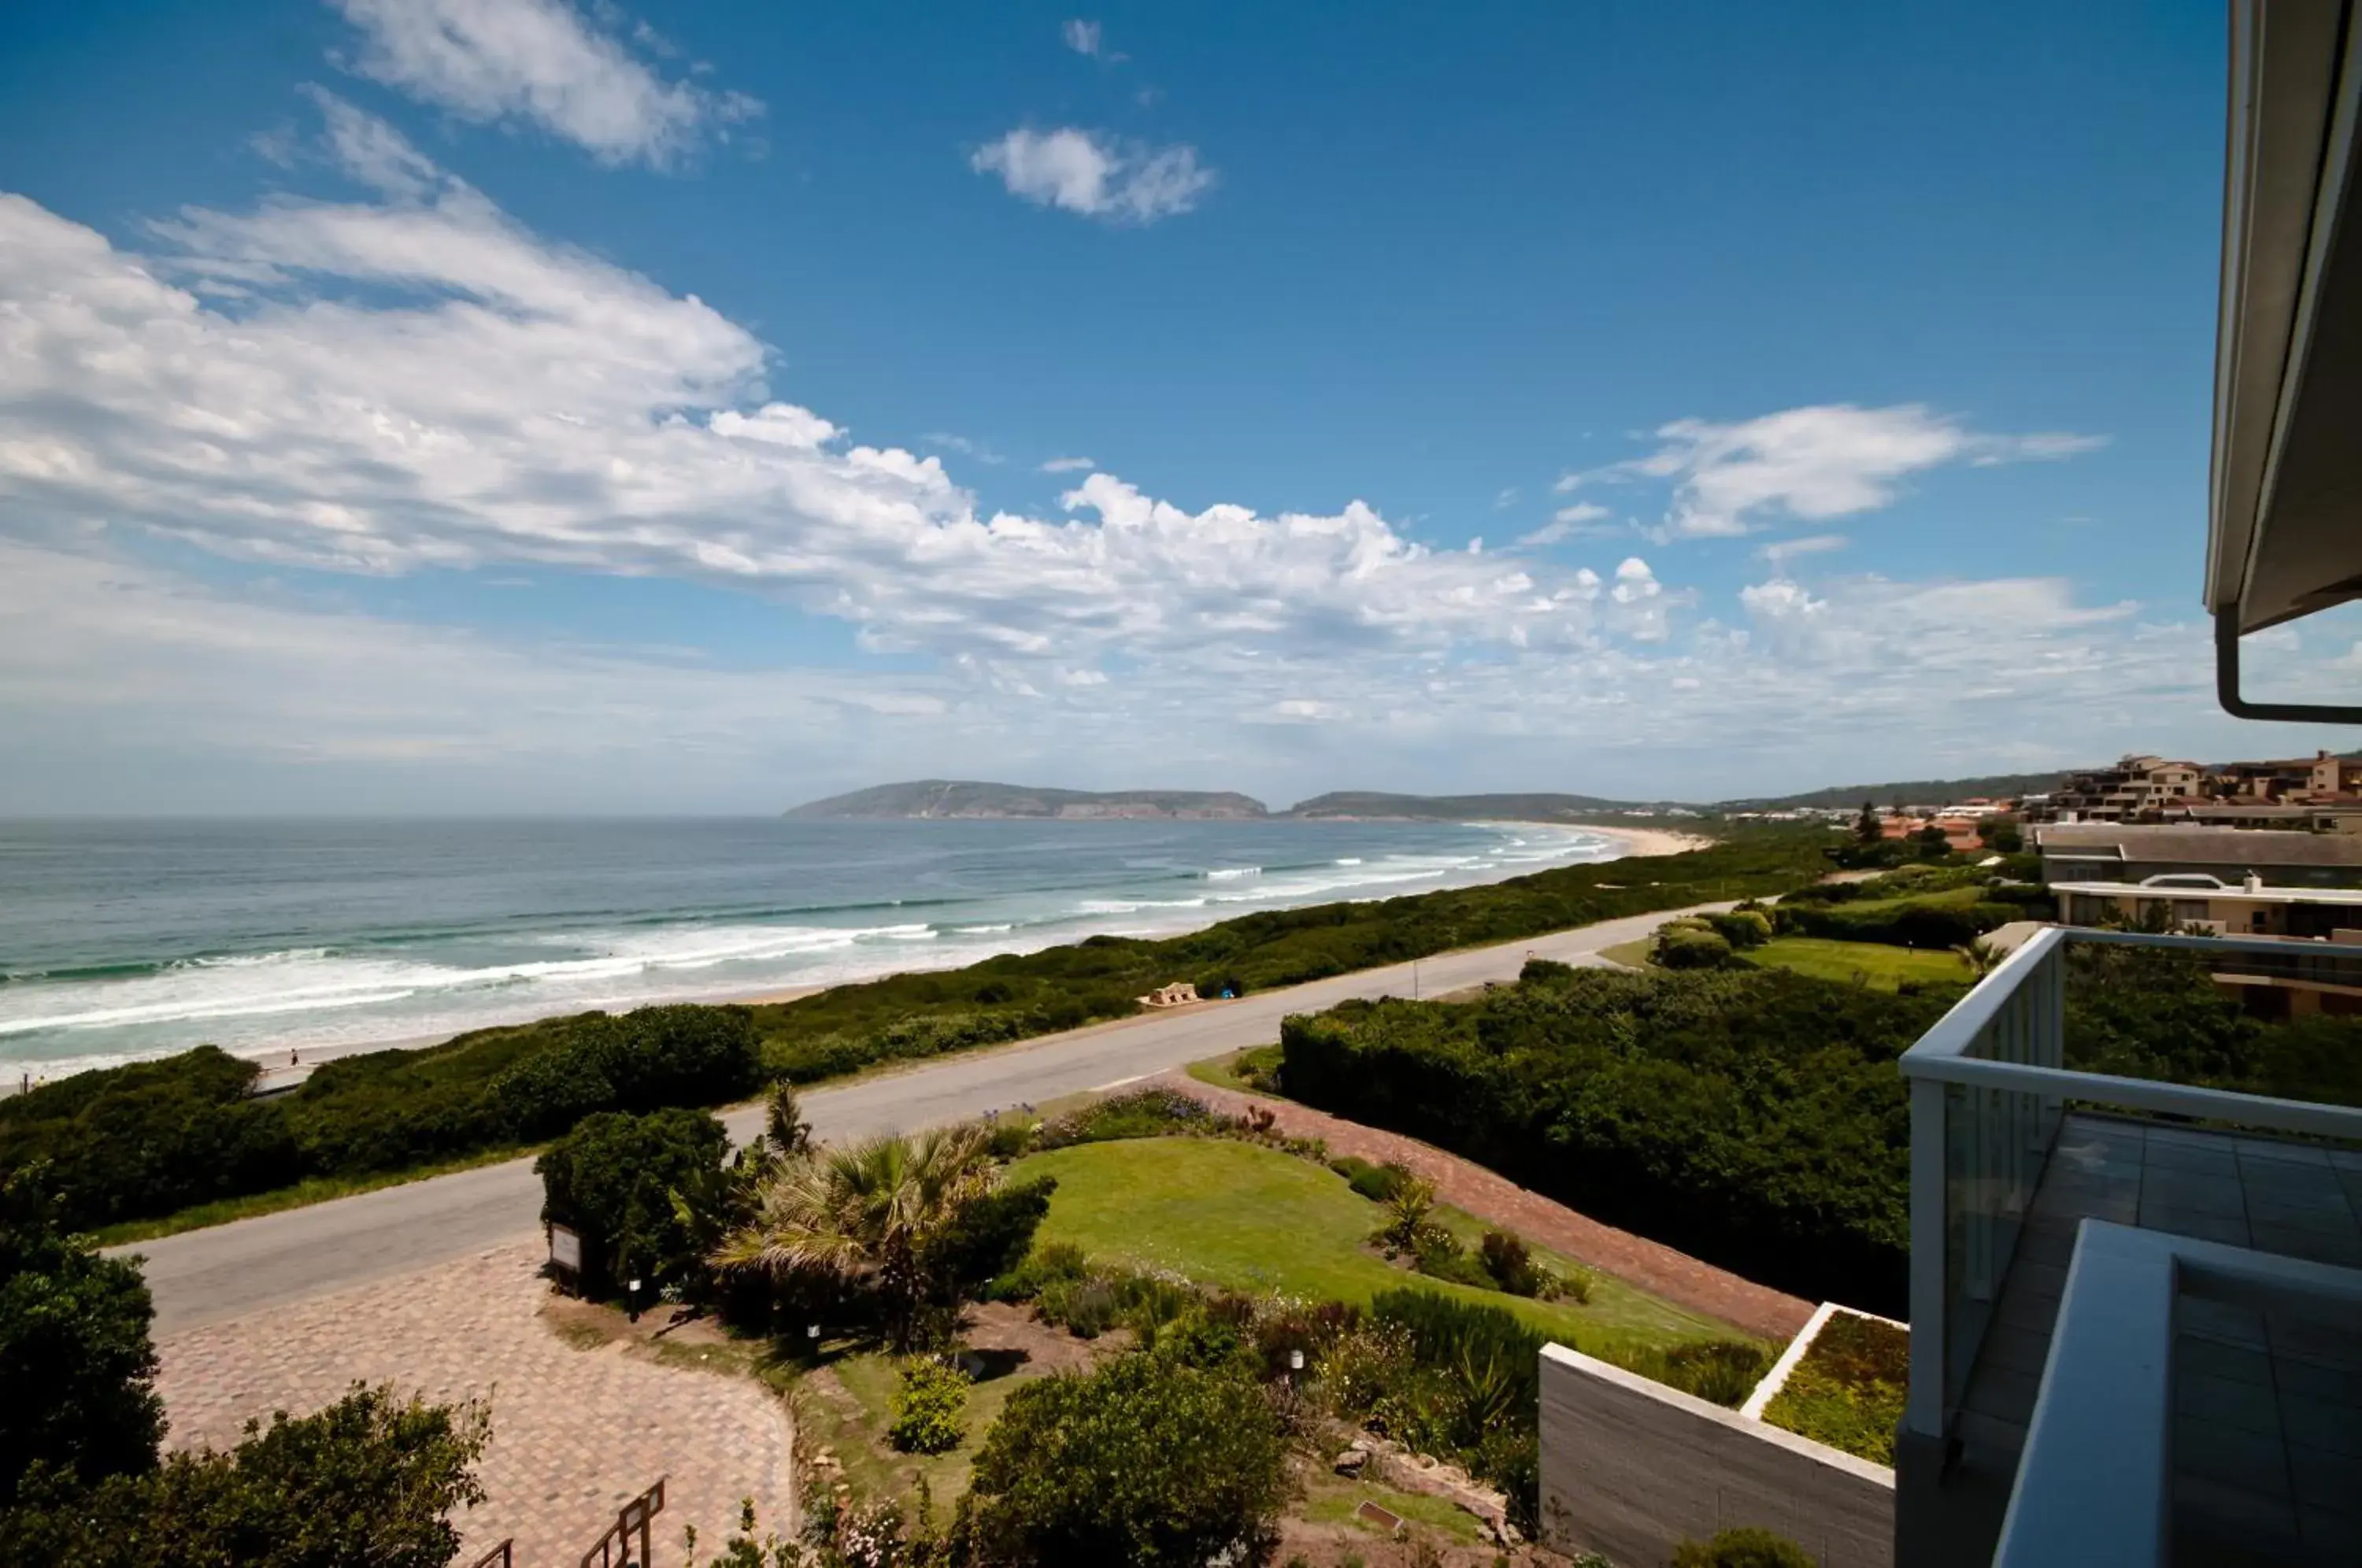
column 566, row 1254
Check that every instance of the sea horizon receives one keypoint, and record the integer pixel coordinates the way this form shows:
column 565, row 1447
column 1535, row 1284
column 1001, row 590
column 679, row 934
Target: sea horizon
column 126, row 939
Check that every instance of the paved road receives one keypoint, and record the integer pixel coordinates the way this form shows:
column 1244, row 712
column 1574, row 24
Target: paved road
column 203, row 1277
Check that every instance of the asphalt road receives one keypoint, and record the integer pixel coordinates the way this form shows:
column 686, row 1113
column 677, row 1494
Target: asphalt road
column 249, row 1265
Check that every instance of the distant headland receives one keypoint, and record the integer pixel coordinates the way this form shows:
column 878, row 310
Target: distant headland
column 939, row 798
column 932, row 799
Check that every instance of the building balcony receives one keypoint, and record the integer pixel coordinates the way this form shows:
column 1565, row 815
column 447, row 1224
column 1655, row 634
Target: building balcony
column 2136, row 1306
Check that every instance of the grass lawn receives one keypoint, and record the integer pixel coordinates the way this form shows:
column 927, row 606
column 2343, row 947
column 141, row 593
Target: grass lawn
column 1223, row 1072
column 1331, row 1499
column 1633, row 953
column 1883, row 967
column 1230, row 1213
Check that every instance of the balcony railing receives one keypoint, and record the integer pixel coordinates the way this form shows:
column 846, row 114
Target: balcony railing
column 1989, row 1086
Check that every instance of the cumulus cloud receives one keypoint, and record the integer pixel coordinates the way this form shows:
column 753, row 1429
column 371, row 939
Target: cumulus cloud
column 1096, row 174
column 422, row 381
column 1810, row 464
column 1082, row 36
column 1067, row 465
column 540, row 63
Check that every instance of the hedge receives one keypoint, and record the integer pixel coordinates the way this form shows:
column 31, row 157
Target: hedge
column 1754, row 1118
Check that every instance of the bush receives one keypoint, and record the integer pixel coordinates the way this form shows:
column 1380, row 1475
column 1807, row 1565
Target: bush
column 1085, row 1307
column 1050, row 1264
column 1741, row 928
column 1148, row 1460
column 1687, row 948
column 986, row 1238
column 1377, row 1183
column 1748, row 1548
column 1753, row 1118
column 1723, row 1370
column 1509, row 1266
column 369, row 1479
column 928, row 1408
column 1144, row 1113
column 613, row 1179
column 77, row 1370
column 129, row 1142
column 1438, row 1254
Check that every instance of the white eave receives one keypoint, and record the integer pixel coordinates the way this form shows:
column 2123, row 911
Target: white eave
column 2285, row 524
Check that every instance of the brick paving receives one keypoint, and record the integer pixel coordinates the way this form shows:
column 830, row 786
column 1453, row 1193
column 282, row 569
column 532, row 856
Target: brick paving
column 1677, row 1276
column 576, row 1432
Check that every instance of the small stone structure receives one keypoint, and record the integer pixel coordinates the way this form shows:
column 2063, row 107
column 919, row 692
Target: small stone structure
column 1177, row 994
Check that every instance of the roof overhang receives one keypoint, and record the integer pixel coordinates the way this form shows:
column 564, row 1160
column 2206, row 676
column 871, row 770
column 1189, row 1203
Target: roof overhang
column 2285, row 519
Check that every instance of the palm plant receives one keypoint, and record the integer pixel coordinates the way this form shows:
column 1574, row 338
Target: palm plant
column 859, row 1218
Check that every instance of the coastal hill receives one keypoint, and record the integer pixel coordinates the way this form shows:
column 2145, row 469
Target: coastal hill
column 1452, row 808
column 941, row 798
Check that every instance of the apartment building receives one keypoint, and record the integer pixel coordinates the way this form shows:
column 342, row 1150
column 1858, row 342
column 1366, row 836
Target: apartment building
column 2129, row 851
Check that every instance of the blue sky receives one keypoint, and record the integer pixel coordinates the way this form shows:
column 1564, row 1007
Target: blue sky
column 509, row 404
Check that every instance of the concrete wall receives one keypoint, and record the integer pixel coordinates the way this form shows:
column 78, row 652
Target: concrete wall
column 1630, row 1469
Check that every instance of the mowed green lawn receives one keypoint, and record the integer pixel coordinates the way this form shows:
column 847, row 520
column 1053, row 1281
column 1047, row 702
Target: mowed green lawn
column 1881, row 965
column 1228, row 1214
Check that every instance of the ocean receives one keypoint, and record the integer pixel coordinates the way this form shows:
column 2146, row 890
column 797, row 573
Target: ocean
column 125, row 940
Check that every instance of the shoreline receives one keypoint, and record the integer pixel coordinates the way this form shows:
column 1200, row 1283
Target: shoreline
column 285, row 1066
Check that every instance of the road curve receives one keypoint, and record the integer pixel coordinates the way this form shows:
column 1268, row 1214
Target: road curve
column 250, row 1265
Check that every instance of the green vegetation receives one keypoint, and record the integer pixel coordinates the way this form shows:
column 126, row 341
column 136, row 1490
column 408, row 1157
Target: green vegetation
column 1244, row 1072
column 1227, row 1213
column 141, row 1142
column 1847, row 1389
column 1754, row 1118
column 130, row 1143
column 928, row 1408
column 1147, row 1460
column 369, row 1479
column 612, row 1180
column 1862, row 963
column 2150, row 1012
column 1747, row 1547
column 76, row 1366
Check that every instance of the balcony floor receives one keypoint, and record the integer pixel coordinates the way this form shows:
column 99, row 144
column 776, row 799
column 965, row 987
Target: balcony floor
column 2267, row 1441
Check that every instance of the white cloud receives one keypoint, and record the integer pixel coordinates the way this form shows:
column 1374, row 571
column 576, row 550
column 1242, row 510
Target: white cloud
column 542, row 63
column 1082, row 37
column 1505, row 499
column 1067, row 466
column 1096, row 174
column 417, row 381
column 422, row 381
column 1810, row 545
column 965, row 448
column 1810, row 464
column 1567, row 523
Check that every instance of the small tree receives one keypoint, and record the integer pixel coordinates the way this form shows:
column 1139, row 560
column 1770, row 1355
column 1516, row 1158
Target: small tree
column 614, row 1179
column 784, row 1124
column 77, row 1370
column 1866, row 827
column 1146, row 1461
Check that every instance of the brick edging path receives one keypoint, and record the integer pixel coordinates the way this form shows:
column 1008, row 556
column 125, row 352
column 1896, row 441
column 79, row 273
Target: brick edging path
column 1678, row 1278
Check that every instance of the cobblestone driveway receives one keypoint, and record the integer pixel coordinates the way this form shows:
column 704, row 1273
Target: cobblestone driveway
column 576, row 1433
